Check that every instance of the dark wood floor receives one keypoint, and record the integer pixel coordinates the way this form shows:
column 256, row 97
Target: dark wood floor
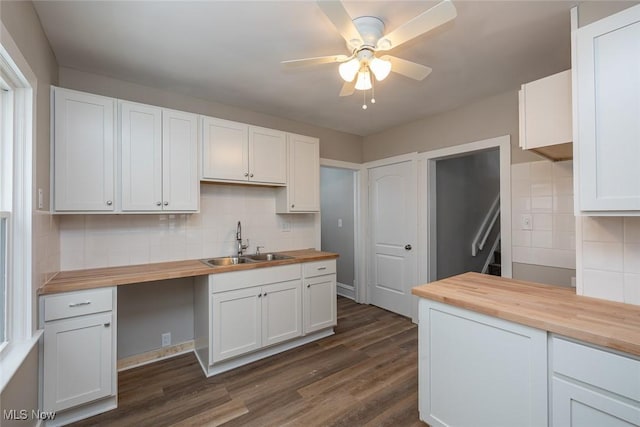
column 364, row 375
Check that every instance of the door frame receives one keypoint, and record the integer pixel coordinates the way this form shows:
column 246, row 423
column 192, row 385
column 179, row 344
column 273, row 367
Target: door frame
column 427, row 204
column 360, row 178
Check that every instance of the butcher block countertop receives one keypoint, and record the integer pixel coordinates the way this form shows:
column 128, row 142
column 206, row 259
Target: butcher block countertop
column 77, row 280
column 552, row 308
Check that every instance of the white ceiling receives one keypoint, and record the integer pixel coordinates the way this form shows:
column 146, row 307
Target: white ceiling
column 230, row 52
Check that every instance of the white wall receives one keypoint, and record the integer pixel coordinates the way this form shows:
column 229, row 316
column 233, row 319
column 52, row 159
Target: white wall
column 88, row 241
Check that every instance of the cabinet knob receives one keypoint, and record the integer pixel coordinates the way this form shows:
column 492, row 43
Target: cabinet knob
column 158, row 203
column 264, row 295
column 251, row 176
column 246, row 174
column 308, row 286
column 109, row 202
column 259, row 295
column 166, row 203
column 293, row 206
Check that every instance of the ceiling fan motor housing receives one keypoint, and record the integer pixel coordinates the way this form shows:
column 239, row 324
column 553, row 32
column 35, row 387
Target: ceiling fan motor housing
column 370, row 28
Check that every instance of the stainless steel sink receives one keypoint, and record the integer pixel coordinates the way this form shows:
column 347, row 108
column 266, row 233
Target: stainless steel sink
column 267, row 257
column 227, row 260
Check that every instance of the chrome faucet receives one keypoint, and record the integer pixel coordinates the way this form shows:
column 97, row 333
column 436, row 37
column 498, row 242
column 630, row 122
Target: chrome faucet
column 241, row 247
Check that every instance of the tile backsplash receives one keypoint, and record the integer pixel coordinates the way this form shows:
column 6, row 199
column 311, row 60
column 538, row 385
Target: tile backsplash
column 542, row 193
column 89, row 241
column 610, row 258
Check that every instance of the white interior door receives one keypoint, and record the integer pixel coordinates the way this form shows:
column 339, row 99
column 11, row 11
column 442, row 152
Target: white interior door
column 393, row 231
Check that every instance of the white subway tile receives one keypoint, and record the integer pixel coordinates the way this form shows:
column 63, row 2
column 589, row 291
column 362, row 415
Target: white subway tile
column 564, row 222
column 564, row 240
column 563, row 204
column 521, row 188
column 602, row 229
column 563, row 187
column 541, row 171
column 541, row 189
column 541, row 239
column 563, row 169
column 632, row 229
column 521, row 238
column 632, row 257
column 603, row 284
column 542, row 204
column 607, row 256
column 542, row 222
column 632, row 288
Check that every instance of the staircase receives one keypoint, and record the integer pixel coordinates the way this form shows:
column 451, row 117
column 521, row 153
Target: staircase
column 495, row 267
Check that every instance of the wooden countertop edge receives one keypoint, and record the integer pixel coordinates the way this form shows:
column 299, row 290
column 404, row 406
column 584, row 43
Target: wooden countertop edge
column 68, row 281
column 599, row 327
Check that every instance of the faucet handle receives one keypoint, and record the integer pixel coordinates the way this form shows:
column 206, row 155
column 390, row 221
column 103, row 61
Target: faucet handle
column 258, row 249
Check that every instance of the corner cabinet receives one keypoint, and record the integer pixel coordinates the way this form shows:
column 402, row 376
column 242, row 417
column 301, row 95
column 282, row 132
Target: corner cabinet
column 247, row 315
column 302, row 193
column 159, row 152
column 545, row 116
column 608, row 108
column 79, row 353
column 237, row 152
column 84, row 159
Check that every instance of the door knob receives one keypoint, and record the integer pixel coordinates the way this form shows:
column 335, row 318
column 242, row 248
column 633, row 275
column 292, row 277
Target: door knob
column 408, row 247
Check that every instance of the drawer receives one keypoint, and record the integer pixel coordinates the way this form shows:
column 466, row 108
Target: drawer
column 233, row 280
column 71, row 304
column 608, row 371
column 319, row 268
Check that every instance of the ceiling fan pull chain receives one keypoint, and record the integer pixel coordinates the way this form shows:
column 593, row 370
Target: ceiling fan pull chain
column 373, row 91
column 364, row 99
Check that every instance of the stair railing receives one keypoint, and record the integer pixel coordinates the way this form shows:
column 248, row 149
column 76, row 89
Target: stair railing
column 485, row 228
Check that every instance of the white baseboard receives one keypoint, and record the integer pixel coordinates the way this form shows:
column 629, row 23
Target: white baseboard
column 154, row 355
column 346, row 291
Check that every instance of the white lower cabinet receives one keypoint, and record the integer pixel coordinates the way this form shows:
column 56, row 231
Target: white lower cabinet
column 319, row 301
column 478, row 370
column 591, row 387
column 248, row 319
column 247, row 315
column 79, row 352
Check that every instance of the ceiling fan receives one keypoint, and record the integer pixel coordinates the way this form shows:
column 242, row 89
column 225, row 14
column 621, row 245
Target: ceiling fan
column 366, row 39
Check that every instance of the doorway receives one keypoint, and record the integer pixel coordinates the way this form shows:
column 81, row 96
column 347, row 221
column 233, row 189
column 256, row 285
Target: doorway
column 339, row 207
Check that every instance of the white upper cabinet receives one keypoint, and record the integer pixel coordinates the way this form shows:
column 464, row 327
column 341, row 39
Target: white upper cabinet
column 303, row 187
column 141, row 156
column 238, row 152
column 608, row 100
column 159, row 159
column 180, row 184
column 545, row 116
column 84, row 152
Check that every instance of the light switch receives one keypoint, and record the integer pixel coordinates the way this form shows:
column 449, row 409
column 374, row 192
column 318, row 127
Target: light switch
column 40, row 198
column 526, row 222
column 339, row 222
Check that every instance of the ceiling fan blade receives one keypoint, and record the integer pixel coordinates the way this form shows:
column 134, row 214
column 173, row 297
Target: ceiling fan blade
column 348, row 88
column 408, row 68
column 439, row 14
column 315, row 61
column 341, row 19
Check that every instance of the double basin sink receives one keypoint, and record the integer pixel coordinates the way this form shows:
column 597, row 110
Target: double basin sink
column 244, row 259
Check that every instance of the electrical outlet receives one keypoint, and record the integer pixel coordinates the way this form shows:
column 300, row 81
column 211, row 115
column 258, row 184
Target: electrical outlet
column 339, row 222
column 166, row 339
column 40, row 198
column 285, row 225
column 526, row 222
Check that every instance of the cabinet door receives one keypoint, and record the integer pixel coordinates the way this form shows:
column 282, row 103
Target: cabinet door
column 79, row 361
column 141, row 156
column 237, row 319
column 281, row 312
column 267, row 155
column 304, row 174
column 319, row 303
column 574, row 405
column 180, row 184
column 608, row 60
column 225, row 150
column 83, row 151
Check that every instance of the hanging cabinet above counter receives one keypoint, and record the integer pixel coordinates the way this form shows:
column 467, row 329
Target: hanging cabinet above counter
column 116, row 156
column 546, row 117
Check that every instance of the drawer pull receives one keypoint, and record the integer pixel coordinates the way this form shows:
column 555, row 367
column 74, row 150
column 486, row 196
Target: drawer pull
column 106, row 325
column 322, row 268
column 77, row 304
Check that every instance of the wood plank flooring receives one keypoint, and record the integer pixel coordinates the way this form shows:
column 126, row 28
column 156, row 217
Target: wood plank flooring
column 364, row 375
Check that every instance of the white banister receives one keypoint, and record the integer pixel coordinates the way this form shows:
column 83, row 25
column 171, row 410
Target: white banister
column 485, row 228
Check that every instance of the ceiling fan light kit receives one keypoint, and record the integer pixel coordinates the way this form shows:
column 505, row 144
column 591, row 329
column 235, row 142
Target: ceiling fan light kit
column 365, row 36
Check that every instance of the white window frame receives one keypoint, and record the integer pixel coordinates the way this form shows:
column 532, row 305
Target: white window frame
column 18, row 77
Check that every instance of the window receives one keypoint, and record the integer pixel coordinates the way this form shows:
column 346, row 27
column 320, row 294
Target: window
column 6, row 144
